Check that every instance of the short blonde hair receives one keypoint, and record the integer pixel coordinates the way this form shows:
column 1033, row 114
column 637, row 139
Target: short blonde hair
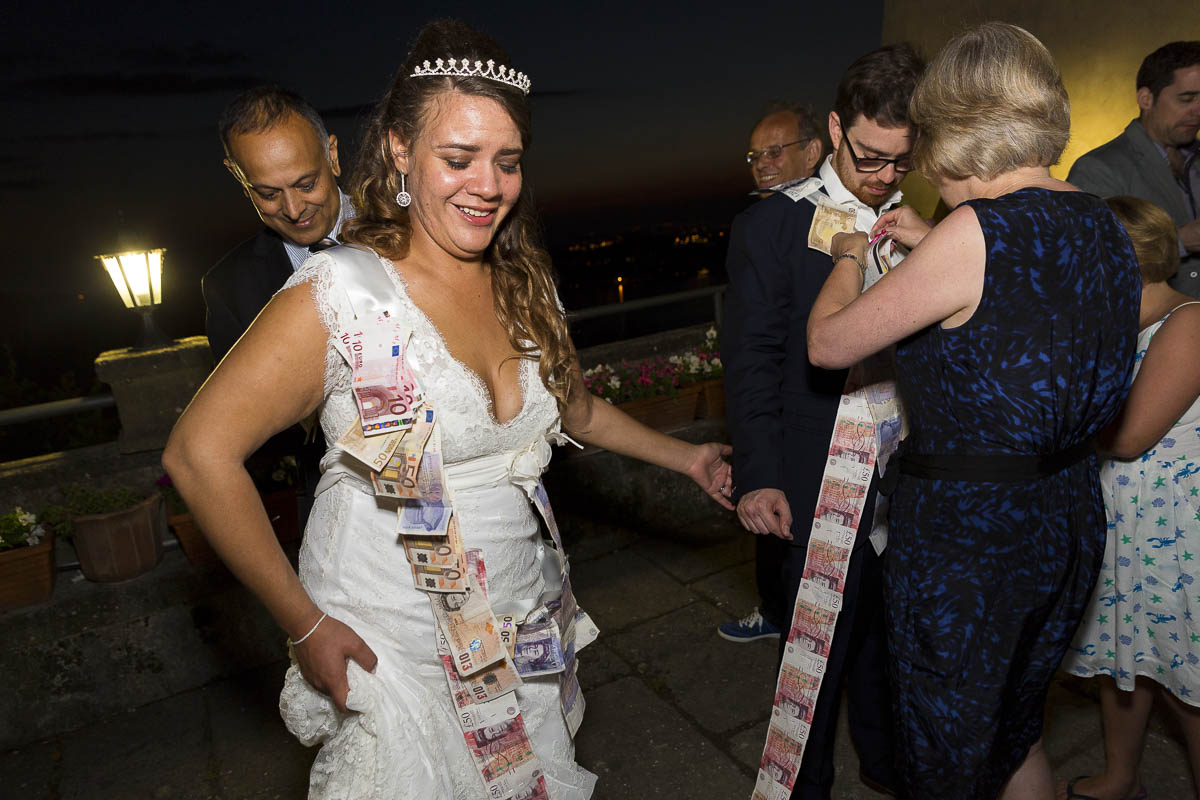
column 1153, row 234
column 991, row 101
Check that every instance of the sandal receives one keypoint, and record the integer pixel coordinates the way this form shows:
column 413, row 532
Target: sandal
column 1142, row 794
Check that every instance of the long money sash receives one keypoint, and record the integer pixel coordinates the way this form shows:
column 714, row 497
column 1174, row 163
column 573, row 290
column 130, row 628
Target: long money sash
column 485, row 655
column 866, row 433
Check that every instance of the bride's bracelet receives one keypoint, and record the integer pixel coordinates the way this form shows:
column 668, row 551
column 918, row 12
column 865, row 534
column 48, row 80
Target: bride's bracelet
column 312, row 630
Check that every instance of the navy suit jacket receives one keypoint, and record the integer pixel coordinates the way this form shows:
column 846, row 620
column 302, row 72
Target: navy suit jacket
column 238, row 287
column 780, row 408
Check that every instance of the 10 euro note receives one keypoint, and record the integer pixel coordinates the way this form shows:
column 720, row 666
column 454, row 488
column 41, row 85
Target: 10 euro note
column 384, row 387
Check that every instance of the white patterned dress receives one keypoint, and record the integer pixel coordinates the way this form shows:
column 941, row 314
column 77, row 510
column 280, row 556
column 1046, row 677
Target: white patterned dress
column 405, row 742
column 1144, row 617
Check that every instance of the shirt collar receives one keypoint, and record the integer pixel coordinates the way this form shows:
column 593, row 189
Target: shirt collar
column 1189, row 152
column 297, row 253
column 839, row 194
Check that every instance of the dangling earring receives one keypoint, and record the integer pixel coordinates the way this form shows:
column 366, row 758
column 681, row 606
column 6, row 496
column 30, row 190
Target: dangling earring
column 403, row 198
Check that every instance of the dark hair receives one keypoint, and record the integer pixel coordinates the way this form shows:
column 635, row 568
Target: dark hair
column 1158, row 69
column 522, row 275
column 806, row 120
column 879, row 85
column 263, row 107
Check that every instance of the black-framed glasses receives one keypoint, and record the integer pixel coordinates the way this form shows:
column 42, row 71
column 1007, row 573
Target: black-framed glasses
column 902, row 164
column 773, row 152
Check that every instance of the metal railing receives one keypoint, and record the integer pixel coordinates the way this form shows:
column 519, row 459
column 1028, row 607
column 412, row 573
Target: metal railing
column 76, row 405
column 55, row 408
column 612, row 309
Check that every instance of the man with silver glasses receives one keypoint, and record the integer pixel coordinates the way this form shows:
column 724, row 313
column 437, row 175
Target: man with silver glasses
column 785, row 146
column 781, row 409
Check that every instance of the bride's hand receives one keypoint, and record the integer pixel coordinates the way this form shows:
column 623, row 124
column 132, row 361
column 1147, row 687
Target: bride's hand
column 712, row 472
column 323, row 657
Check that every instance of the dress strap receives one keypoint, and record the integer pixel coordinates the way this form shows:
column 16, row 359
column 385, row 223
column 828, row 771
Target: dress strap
column 367, row 285
column 1176, row 308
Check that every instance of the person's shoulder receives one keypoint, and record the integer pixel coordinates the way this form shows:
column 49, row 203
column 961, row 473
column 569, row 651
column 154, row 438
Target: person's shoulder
column 1116, row 153
column 775, row 210
column 255, row 249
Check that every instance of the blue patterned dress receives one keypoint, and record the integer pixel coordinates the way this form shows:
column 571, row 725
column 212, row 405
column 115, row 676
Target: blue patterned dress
column 986, row 582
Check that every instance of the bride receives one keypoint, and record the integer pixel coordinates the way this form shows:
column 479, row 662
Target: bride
column 445, row 247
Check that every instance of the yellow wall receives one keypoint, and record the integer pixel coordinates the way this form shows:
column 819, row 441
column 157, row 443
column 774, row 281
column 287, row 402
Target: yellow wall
column 1098, row 44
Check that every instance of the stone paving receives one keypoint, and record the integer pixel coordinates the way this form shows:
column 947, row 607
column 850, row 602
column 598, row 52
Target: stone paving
column 673, row 710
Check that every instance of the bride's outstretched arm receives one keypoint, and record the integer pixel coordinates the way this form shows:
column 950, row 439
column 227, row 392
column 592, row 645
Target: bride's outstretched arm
column 271, row 379
column 596, row 422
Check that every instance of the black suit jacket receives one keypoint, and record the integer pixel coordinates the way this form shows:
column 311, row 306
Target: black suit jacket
column 238, row 287
column 780, row 408
column 235, row 290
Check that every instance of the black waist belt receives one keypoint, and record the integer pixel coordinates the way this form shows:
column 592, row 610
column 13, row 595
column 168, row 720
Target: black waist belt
column 998, row 467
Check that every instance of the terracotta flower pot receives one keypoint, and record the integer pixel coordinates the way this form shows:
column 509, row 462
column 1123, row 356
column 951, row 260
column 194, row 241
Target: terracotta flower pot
column 123, row 544
column 192, row 541
column 712, row 399
column 665, row 413
column 281, row 509
column 27, row 574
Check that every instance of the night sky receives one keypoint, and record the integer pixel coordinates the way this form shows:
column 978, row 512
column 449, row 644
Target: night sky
column 641, row 115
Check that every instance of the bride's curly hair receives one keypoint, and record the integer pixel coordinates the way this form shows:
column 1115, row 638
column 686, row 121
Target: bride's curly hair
column 522, row 275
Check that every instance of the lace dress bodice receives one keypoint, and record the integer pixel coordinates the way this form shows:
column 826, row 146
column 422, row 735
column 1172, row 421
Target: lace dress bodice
column 468, row 425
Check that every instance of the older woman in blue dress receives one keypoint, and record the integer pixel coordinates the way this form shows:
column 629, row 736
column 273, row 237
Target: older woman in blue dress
column 1015, row 321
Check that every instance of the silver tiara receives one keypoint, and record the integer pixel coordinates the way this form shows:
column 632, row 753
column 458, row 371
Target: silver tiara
column 461, row 68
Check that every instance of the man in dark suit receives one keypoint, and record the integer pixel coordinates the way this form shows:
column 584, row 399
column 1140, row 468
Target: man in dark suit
column 1157, row 157
column 277, row 148
column 786, row 145
column 781, row 409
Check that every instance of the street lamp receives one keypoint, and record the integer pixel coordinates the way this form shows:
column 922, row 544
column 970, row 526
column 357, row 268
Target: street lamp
column 137, row 274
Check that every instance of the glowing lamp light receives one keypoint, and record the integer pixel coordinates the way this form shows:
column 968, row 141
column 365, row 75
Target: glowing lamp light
column 137, row 276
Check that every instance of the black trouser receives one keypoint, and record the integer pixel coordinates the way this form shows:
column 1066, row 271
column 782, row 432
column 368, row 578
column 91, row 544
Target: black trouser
column 769, row 553
column 857, row 663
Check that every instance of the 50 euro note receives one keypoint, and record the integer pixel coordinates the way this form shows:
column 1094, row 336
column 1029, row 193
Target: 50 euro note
column 828, row 221
column 400, row 477
column 470, row 628
column 374, row 451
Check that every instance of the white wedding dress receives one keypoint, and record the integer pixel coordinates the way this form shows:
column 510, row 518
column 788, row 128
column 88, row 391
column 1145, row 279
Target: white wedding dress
column 404, row 740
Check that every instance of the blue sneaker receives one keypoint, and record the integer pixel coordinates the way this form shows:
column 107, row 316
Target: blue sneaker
column 747, row 629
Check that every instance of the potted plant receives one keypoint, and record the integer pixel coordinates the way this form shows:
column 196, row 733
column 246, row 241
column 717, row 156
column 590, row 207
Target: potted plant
column 26, row 560
column 276, row 479
column 664, row 392
column 191, row 539
column 117, row 533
